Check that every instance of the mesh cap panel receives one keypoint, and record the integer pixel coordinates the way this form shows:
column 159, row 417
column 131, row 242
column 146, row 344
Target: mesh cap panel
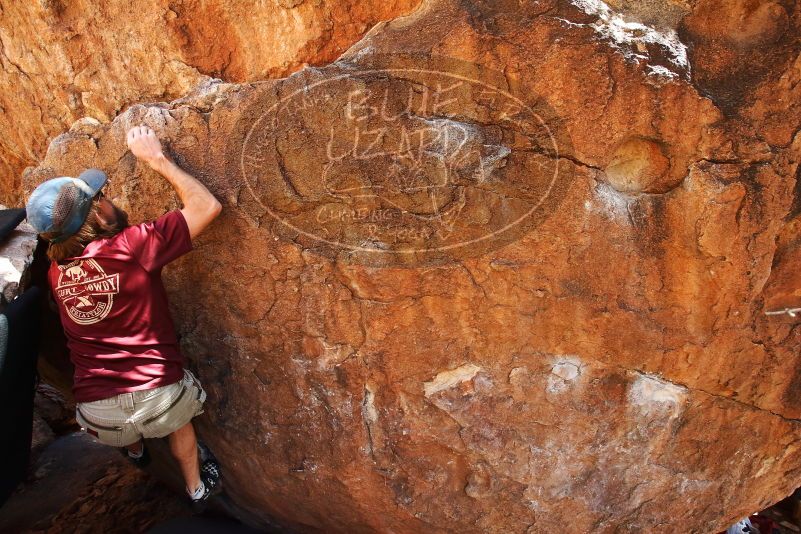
column 65, row 203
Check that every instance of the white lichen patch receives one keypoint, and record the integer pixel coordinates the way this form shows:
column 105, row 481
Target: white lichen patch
column 369, row 412
column 650, row 394
column 333, row 354
column 631, row 37
column 566, row 370
column 662, row 72
column 448, row 379
column 765, row 466
column 609, row 202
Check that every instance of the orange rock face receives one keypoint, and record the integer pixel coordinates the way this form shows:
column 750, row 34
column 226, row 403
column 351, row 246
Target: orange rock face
column 61, row 61
column 502, row 267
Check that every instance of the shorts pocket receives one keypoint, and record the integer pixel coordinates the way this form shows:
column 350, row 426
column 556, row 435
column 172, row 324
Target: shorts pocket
column 176, row 415
column 200, row 397
column 106, row 434
column 196, row 389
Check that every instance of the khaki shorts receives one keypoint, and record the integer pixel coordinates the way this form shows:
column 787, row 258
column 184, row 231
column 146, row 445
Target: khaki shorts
column 151, row 413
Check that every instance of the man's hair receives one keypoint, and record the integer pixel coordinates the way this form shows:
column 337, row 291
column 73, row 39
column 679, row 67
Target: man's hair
column 92, row 228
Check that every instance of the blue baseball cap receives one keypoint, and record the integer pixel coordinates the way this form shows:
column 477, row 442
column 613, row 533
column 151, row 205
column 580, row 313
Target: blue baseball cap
column 60, row 205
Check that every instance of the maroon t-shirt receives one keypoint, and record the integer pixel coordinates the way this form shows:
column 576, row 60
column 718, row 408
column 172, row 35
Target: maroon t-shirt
column 114, row 309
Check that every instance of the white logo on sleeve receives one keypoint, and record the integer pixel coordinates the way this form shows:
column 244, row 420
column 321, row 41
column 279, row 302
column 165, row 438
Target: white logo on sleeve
column 86, row 291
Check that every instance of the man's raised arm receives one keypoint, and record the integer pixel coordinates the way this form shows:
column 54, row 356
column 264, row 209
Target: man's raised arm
column 199, row 205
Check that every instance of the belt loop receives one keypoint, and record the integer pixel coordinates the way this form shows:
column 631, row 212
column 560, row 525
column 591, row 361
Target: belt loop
column 127, row 402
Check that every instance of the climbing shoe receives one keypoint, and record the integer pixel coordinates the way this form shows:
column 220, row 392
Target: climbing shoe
column 141, row 461
column 211, row 469
column 210, row 485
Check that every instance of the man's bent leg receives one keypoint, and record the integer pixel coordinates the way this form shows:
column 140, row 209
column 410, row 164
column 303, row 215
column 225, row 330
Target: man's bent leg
column 136, row 448
column 183, row 445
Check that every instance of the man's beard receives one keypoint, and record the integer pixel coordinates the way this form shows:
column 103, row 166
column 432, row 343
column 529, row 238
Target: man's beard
column 111, row 225
column 120, row 218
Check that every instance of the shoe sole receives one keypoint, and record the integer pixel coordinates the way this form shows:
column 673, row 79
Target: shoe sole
column 198, row 507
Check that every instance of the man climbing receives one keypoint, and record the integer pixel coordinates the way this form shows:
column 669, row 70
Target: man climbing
column 105, row 275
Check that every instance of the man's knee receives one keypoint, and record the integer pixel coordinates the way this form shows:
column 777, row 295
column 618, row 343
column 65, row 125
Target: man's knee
column 183, row 439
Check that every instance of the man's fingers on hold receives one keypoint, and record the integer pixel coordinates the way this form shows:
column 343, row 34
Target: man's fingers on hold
column 134, row 133
column 140, row 131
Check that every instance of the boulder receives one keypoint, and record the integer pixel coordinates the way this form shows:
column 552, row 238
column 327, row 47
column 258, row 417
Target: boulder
column 504, row 266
